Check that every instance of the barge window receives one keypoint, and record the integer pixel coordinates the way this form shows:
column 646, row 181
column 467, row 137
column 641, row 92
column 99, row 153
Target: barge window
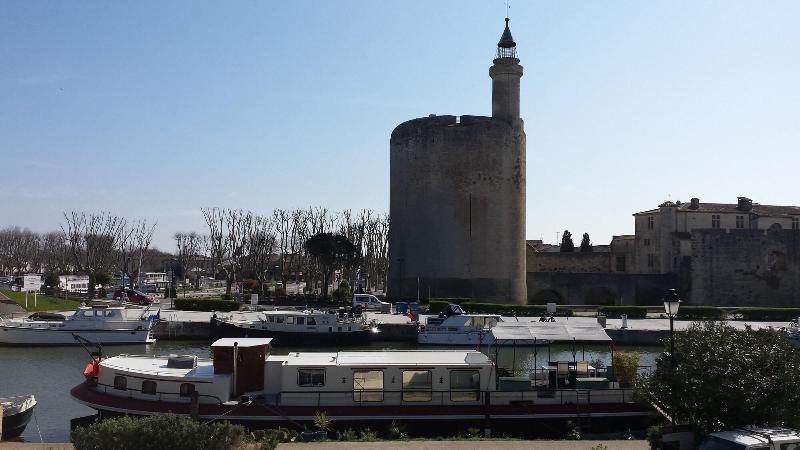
column 120, row 383
column 464, row 385
column 368, row 385
column 310, row 377
column 187, row 389
column 271, row 319
column 301, row 320
column 280, row 319
column 149, row 387
column 311, row 321
column 290, row 320
column 417, row 385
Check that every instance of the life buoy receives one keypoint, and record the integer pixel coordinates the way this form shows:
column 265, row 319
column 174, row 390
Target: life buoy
column 92, row 369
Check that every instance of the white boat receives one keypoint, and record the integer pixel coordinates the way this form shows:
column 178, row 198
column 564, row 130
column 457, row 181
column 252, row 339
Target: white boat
column 307, row 327
column 244, row 383
column 17, row 412
column 97, row 323
column 458, row 328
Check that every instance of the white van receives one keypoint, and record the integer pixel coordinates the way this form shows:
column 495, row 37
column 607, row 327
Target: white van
column 367, row 301
column 753, row 438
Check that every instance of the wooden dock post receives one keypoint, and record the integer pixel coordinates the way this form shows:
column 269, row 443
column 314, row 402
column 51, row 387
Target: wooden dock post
column 194, row 408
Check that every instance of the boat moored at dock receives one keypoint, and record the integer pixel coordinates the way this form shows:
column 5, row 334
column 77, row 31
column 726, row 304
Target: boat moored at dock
column 244, row 383
column 17, row 412
column 97, row 323
column 296, row 328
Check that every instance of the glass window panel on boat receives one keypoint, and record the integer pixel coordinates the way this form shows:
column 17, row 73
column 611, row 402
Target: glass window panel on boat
column 187, row 389
column 290, row 320
column 120, row 383
column 417, row 385
column 280, row 319
column 368, row 385
column 271, row 319
column 464, row 385
column 310, row 377
column 301, row 320
column 149, row 387
column 312, row 321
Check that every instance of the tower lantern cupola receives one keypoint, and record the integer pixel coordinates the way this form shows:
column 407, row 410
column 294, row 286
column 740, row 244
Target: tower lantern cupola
column 507, row 48
column 505, row 73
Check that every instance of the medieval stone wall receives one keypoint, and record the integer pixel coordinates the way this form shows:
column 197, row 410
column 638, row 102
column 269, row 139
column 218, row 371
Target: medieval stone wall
column 745, row 267
column 569, row 262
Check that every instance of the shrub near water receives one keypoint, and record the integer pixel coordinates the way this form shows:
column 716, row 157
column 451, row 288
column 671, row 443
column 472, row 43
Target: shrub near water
column 158, row 432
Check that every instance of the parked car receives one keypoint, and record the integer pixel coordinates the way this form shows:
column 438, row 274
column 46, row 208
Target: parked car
column 368, row 301
column 753, row 438
column 133, row 296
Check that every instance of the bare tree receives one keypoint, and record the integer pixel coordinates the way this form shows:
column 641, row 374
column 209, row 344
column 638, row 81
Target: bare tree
column 92, row 240
column 189, row 248
column 19, row 250
column 135, row 239
column 228, row 231
column 261, row 245
column 54, row 253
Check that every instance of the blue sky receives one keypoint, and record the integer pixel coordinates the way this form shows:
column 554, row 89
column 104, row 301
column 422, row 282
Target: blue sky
column 155, row 109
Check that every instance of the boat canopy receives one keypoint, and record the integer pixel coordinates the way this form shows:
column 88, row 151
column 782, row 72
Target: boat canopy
column 452, row 310
column 549, row 331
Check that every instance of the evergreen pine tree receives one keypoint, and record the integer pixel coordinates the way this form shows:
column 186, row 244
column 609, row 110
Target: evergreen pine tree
column 566, row 242
column 586, row 244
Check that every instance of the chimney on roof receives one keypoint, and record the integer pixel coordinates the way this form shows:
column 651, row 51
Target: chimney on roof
column 744, row 204
column 694, row 203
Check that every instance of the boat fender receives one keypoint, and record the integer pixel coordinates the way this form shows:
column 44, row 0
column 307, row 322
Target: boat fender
column 92, row 369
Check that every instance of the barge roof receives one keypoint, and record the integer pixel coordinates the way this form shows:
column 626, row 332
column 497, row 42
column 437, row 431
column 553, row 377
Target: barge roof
column 389, row 358
column 157, row 366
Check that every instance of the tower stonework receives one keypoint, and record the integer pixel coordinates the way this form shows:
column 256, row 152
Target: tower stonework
column 457, row 198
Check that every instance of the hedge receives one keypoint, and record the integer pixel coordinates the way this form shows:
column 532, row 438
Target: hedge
column 767, row 314
column 505, row 309
column 199, row 304
column 615, row 312
column 687, row 312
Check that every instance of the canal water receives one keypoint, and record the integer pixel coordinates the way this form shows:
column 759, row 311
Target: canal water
column 50, row 372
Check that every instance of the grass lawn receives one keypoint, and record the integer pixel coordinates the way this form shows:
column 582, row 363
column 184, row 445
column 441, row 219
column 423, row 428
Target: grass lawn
column 43, row 302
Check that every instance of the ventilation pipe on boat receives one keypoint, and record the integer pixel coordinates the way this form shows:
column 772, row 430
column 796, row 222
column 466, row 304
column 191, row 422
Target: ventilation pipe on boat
column 235, row 368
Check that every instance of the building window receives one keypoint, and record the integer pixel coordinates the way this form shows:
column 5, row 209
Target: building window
column 620, row 264
column 368, row 386
column 651, row 258
column 796, row 223
column 740, row 222
column 417, row 385
column 310, row 377
column 715, row 221
column 647, row 242
column 465, row 385
column 149, row 387
column 187, row 389
column 120, row 383
column 651, row 221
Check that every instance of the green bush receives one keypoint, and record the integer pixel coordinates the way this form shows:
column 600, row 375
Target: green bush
column 201, row 304
column 158, row 432
column 437, row 305
column 700, row 313
column 615, row 312
column 767, row 314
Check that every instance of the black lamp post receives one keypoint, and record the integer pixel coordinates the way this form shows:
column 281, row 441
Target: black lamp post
column 671, row 305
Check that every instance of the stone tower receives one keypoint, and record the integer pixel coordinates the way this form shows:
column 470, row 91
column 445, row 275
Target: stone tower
column 457, row 198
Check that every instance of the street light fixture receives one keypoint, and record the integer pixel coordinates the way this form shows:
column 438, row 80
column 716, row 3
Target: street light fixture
column 671, row 305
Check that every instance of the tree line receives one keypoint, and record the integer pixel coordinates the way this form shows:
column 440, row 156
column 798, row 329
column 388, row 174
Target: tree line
column 235, row 245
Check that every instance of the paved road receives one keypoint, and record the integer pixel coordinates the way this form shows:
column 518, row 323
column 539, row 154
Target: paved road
column 460, row 445
column 8, row 307
column 611, row 324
